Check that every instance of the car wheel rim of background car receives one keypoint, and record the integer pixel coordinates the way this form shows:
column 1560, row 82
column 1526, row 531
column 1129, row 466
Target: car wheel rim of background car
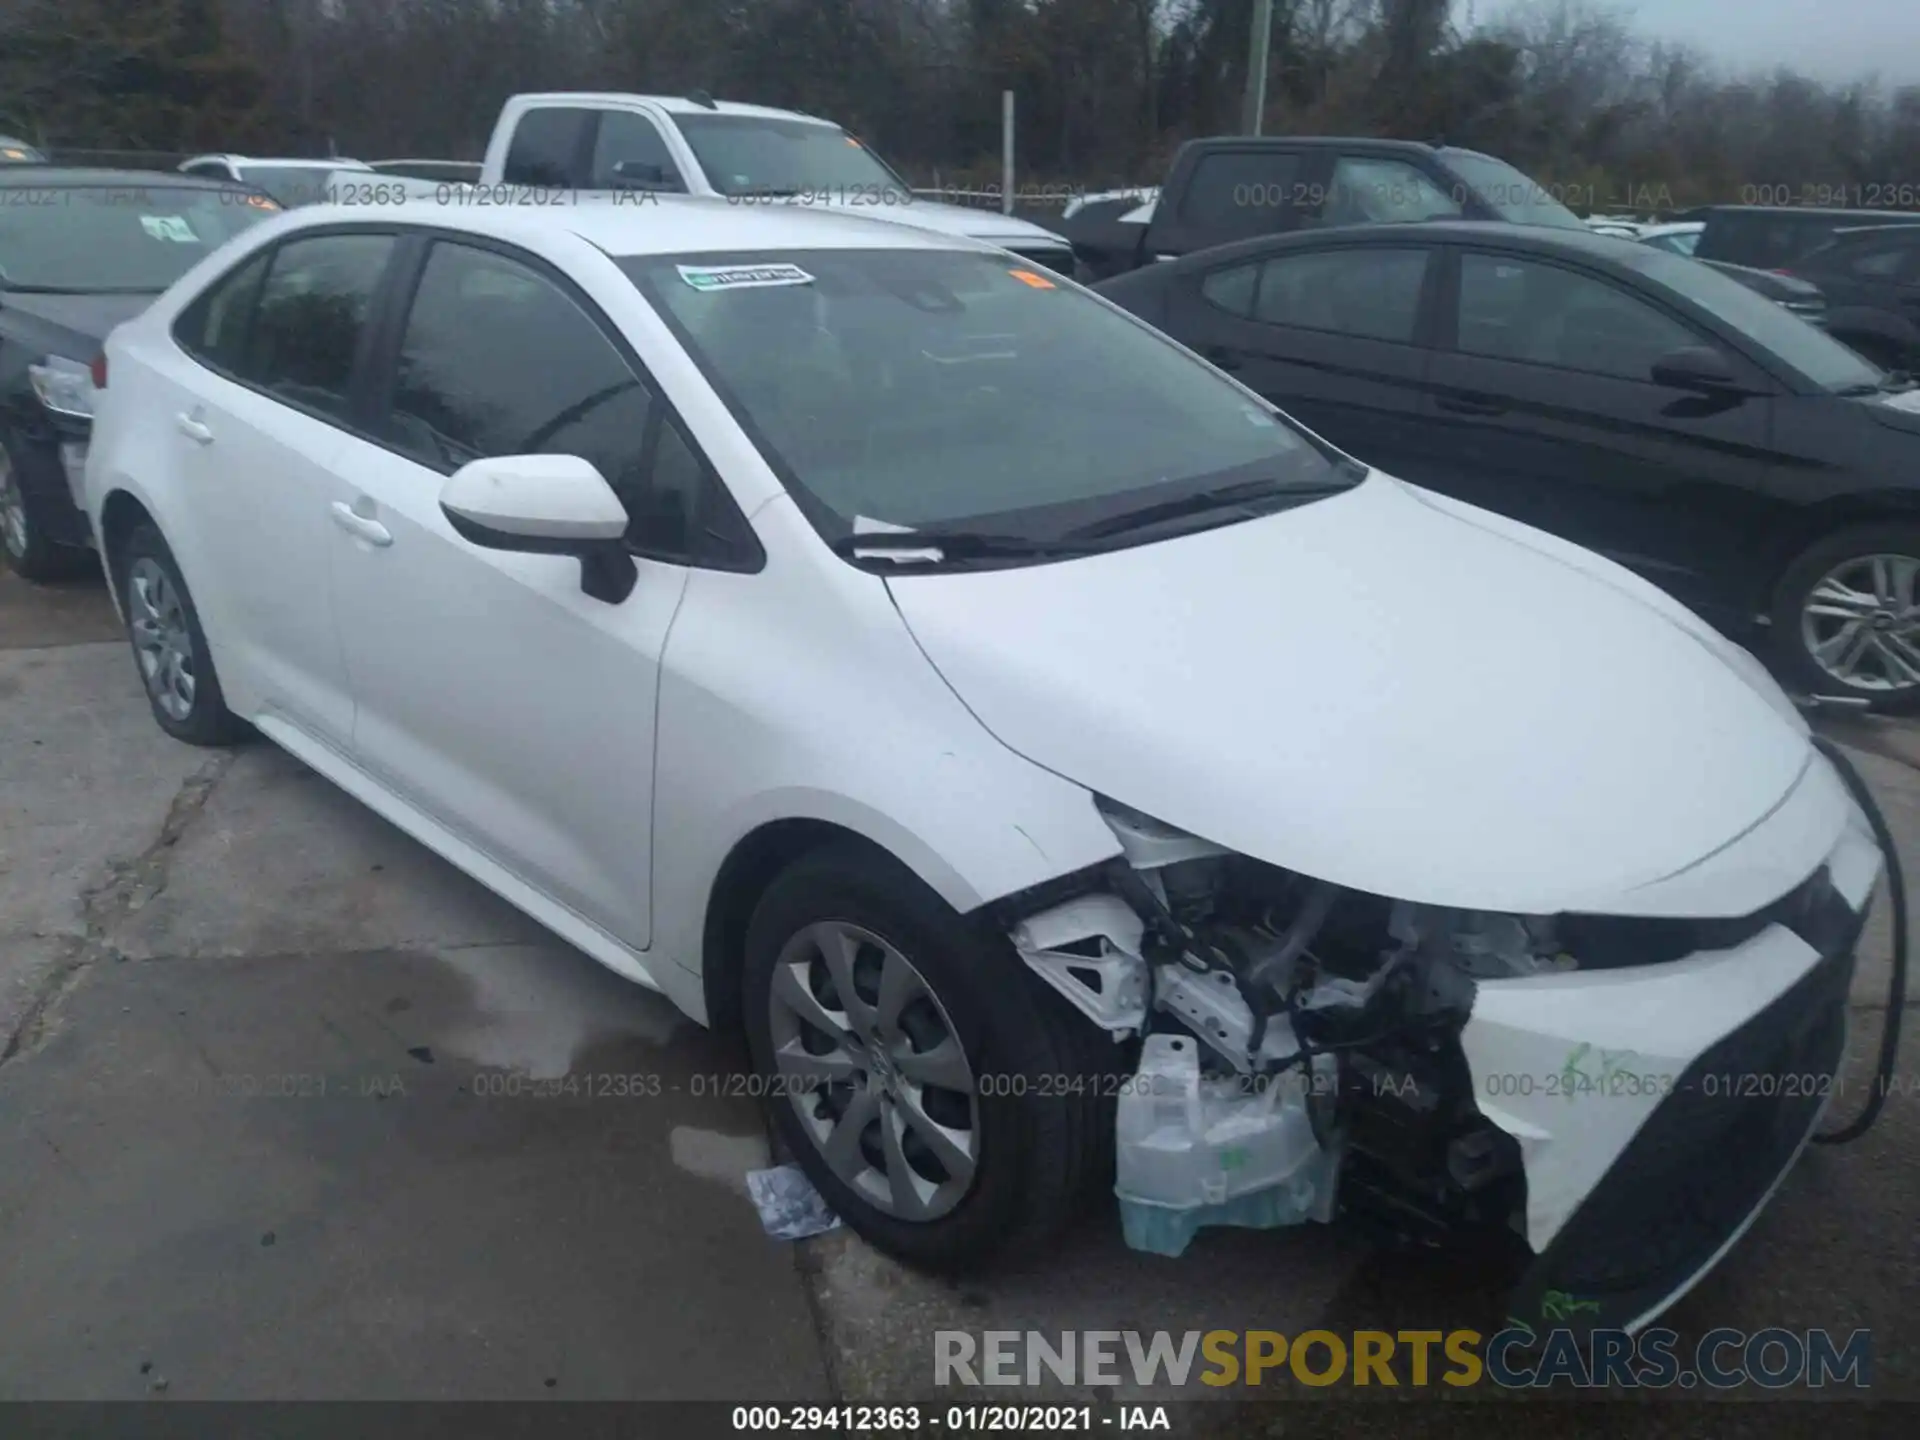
column 160, row 639
column 13, row 510
column 873, row 1066
column 1861, row 623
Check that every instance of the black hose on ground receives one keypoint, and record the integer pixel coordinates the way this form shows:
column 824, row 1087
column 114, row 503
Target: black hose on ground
column 1897, row 986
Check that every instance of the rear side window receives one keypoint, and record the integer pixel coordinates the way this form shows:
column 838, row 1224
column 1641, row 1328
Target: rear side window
column 213, row 329
column 1365, row 292
column 1236, row 194
column 546, row 146
column 312, row 313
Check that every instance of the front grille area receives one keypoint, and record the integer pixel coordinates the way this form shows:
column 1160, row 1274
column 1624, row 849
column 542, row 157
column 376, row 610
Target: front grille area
column 1605, row 942
column 1702, row 1161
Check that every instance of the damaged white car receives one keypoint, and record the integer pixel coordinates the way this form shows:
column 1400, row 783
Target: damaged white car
column 1073, row 775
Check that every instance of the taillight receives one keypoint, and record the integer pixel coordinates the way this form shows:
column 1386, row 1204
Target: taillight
column 99, row 371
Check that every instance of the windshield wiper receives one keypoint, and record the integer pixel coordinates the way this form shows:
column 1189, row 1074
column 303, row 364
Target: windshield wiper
column 936, row 547
column 1248, row 497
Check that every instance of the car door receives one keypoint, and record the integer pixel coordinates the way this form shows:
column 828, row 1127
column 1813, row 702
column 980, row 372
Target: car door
column 1235, row 192
column 1333, row 336
column 491, row 692
column 1880, row 270
column 1544, row 408
column 266, row 378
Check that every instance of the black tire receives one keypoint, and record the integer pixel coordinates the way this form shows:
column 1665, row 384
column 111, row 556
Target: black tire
column 1044, row 1122
column 207, row 721
column 1800, row 670
column 24, row 545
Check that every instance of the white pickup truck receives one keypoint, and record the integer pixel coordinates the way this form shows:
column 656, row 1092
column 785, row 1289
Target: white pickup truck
column 593, row 141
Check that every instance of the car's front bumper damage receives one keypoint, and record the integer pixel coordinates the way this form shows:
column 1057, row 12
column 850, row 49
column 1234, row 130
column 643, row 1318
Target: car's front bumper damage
column 1612, row 1098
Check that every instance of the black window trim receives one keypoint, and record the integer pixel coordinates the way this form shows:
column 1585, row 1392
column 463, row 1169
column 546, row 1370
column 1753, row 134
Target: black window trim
column 354, row 422
column 396, row 305
column 1708, row 328
column 1429, row 313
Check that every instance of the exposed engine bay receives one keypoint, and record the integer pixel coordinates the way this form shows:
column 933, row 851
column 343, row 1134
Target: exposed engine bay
column 1306, row 1049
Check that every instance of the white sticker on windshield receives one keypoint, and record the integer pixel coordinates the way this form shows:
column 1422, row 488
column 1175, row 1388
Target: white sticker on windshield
column 742, row 277
column 169, row 227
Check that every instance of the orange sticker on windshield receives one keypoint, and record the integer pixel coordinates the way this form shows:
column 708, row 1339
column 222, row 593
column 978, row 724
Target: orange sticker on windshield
column 261, row 202
column 1027, row 277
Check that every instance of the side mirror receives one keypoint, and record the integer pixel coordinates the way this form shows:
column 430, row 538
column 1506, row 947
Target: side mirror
column 642, row 175
column 545, row 505
column 1698, row 368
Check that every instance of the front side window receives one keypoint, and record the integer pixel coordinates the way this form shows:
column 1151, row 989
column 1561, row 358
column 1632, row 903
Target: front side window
column 1518, row 309
column 1237, row 194
column 766, row 155
column 1373, row 191
column 497, row 360
column 630, row 153
column 919, row 387
column 116, row 239
column 1514, row 196
column 312, row 312
column 1366, row 292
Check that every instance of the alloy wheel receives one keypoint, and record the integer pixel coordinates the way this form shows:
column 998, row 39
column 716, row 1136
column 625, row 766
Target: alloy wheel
column 161, row 640
column 13, row 510
column 871, row 1063
column 1861, row 623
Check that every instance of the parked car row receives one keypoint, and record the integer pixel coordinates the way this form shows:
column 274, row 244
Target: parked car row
column 1017, row 705
column 1040, row 718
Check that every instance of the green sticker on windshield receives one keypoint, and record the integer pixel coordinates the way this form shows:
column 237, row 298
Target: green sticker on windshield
column 742, row 277
column 169, row 227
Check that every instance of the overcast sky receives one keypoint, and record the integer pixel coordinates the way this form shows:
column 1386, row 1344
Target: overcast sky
column 1827, row 39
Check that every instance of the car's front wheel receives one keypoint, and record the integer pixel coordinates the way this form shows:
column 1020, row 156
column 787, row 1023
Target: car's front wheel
column 948, row 1106
column 1846, row 616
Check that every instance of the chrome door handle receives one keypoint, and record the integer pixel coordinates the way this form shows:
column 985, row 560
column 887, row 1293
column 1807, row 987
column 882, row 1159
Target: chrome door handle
column 354, row 523
column 193, row 429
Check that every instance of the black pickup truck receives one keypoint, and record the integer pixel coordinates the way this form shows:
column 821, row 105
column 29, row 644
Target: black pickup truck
column 1237, row 187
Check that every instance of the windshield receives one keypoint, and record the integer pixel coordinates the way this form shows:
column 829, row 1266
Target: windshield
column 924, row 388
column 1808, row 349
column 129, row 238
column 1514, row 195
column 755, row 155
column 295, row 185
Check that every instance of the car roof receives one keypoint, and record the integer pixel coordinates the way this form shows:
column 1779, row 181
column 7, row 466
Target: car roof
column 672, row 104
column 116, row 179
column 291, row 162
column 1812, row 212
column 1539, row 239
column 658, row 225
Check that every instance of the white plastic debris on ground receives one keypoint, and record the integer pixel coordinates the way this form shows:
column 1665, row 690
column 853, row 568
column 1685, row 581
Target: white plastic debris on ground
column 790, row 1208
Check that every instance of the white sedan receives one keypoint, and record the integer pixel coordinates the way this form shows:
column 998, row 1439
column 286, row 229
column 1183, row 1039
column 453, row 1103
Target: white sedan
column 1072, row 774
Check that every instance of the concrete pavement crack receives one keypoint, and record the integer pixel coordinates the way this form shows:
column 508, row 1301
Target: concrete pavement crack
column 127, row 885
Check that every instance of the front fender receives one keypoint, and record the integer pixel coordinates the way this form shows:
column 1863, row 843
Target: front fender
column 799, row 694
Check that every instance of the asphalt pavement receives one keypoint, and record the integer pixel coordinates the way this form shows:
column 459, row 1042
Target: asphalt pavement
column 253, row 1140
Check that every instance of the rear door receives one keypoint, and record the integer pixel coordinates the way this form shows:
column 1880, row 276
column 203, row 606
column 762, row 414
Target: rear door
column 1545, row 409
column 1333, row 335
column 258, row 403
column 1221, row 193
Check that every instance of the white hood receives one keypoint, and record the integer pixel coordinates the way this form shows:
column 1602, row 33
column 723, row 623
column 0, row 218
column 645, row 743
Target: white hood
column 1398, row 694
column 944, row 219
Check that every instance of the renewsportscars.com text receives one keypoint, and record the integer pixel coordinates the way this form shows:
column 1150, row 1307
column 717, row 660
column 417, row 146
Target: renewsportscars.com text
column 1514, row 1359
